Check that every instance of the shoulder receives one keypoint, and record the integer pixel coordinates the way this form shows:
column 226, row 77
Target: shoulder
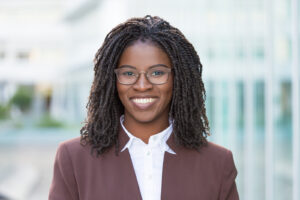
column 221, row 160
column 73, row 144
column 72, row 148
column 220, row 155
column 215, row 155
column 216, row 150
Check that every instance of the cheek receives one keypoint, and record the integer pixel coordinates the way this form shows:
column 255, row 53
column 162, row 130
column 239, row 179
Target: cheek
column 121, row 92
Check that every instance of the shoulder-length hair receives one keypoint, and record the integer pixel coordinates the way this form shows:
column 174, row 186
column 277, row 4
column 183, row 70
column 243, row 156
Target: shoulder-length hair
column 190, row 123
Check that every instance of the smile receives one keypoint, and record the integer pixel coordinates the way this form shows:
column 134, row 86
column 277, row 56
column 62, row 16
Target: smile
column 143, row 100
column 143, row 103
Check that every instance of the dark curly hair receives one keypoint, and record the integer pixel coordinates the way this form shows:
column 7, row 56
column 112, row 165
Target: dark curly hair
column 187, row 109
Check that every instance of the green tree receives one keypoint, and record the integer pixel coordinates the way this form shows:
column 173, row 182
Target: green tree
column 23, row 98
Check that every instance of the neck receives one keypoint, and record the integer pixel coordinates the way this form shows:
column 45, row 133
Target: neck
column 145, row 130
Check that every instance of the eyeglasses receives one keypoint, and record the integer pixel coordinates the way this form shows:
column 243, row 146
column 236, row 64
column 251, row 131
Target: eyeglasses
column 128, row 75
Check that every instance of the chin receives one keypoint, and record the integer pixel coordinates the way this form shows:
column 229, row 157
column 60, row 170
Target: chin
column 142, row 118
column 147, row 116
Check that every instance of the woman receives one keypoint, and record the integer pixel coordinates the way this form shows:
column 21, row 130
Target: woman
column 145, row 134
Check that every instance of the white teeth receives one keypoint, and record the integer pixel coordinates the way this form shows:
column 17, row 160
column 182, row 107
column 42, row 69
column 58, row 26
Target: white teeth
column 143, row 100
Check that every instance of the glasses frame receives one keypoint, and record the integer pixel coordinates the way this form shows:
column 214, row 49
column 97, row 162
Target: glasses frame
column 169, row 70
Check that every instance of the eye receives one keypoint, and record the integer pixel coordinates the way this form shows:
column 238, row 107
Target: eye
column 157, row 73
column 128, row 73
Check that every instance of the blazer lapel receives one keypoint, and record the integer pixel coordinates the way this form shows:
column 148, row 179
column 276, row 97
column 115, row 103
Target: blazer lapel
column 170, row 171
column 178, row 179
column 129, row 182
column 184, row 174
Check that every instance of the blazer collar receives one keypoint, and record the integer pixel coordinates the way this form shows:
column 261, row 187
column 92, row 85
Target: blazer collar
column 173, row 145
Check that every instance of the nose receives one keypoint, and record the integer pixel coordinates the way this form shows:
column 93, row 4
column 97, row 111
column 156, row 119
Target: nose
column 142, row 84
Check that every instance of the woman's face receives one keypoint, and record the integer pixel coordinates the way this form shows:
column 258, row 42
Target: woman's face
column 143, row 101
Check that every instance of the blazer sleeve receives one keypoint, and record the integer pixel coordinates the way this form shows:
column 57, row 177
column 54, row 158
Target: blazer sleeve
column 63, row 186
column 228, row 186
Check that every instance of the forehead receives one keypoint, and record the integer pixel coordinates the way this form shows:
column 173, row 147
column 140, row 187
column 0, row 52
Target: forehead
column 142, row 55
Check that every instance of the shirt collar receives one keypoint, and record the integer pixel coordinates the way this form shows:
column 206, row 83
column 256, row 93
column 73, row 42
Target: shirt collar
column 160, row 137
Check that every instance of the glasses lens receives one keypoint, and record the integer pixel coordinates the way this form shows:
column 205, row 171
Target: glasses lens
column 158, row 75
column 127, row 75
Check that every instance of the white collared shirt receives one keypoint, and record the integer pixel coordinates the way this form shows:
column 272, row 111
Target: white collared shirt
column 147, row 160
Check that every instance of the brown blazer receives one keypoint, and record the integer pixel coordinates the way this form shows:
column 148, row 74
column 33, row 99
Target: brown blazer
column 187, row 175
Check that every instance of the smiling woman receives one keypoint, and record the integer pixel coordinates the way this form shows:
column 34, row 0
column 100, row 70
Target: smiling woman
column 145, row 134
column 147, row 104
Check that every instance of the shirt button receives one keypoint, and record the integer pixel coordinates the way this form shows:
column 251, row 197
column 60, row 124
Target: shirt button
column 148, row 153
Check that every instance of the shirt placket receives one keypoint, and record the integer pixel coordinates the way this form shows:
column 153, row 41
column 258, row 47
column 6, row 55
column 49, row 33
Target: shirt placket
column 148, row 172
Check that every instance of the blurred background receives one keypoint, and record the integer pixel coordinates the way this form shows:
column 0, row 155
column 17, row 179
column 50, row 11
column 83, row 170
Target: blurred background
column 250, row 54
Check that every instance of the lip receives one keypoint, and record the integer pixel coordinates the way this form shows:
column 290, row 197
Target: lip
column 143, row 106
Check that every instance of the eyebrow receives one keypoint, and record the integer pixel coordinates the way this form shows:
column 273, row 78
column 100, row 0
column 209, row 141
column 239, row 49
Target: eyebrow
column 157, row 65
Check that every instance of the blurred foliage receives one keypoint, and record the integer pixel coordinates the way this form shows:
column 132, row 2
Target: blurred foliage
column 48, row 121
column 18, row 124
column 23, row 98
column 4, row 111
